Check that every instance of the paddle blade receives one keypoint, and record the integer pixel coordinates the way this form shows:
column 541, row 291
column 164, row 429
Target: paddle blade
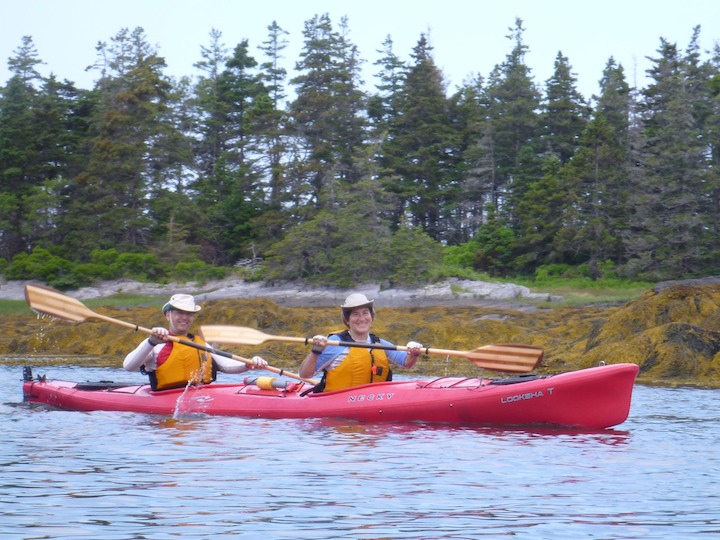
column 47, row 301
column 507, row 357
column 233, row 335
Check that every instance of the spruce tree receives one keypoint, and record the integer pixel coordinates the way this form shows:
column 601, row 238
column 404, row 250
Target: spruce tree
column 667, row 225
column 420, row 150
column 327, row 116
column 514, row 124
column 109, row 207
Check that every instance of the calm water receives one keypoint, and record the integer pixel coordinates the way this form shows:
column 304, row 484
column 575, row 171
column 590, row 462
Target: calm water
column 129, row 476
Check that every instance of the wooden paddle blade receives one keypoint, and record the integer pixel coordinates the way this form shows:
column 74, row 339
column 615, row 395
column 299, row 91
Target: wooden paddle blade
column 506, row 357
column 47, row 301
column 233, row 335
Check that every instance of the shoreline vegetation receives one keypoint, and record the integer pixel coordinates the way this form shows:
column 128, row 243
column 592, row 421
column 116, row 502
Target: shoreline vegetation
column 671, row 330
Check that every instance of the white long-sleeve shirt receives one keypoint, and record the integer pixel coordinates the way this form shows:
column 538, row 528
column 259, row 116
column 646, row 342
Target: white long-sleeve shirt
column 145, row 354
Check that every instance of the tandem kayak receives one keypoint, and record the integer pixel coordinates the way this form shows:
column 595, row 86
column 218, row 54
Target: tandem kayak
column 596, row 398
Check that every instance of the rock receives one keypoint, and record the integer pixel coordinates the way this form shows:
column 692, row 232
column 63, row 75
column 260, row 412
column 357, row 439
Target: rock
column 451, row 292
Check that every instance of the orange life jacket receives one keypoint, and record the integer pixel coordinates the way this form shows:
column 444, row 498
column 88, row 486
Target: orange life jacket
column 183, row 365
column 361, row 366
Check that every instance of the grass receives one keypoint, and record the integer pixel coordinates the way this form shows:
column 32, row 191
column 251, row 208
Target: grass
column 577, row 295
column 16, row 308
column 126, row 300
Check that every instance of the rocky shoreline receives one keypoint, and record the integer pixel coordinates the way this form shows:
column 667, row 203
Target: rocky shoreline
column 451, row 292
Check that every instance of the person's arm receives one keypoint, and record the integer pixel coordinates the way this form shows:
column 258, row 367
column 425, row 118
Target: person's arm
column 406, row 359
column 144, row 353
column 141, row 356
column 310, row 364
column 230, row 365
column 320, row 356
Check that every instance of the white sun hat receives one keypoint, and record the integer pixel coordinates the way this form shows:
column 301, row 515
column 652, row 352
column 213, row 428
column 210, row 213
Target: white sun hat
column 356, row 300
column 353, row 301
column 182, row 302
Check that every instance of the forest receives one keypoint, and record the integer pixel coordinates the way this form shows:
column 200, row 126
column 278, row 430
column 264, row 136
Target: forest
column 310, row 176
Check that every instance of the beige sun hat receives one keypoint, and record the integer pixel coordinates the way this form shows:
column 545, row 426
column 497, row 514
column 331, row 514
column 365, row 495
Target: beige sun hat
column 182, row 302
column 356, row 300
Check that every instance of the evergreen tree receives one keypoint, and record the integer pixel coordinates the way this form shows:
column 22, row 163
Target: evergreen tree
column 382, row 105
column 513, row 114
column 421, row 149
column 565, row 112
column 41, row 134
column 18, row 152
column 476, row 168
column 667, row 226
column 109, row 207
column 271, row 116
column 211, row 109
column 712, row 142
column 234, row 194
column 542, row 219
column 327, row 121
column 596, row 181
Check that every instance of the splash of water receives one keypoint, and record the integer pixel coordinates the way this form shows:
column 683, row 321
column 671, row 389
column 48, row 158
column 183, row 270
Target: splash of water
column 191, row 401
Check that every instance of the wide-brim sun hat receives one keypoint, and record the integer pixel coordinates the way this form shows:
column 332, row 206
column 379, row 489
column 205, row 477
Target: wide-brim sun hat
column 356, row 300
column 182, row 302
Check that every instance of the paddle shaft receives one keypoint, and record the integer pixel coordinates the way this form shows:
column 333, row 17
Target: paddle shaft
column 497, row 357
column 425, row 350
column 56, row 304
column 206, row 348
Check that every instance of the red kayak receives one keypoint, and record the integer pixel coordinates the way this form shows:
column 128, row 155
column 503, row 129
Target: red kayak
column 593, row 398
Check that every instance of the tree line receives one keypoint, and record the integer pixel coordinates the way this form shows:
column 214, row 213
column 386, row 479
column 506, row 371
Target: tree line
column 327, row 182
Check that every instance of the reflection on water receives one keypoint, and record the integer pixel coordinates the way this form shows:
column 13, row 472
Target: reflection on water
column 126, row 475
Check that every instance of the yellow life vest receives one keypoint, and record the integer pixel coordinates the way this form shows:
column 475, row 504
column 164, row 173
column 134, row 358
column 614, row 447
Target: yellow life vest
column 361, row 366
column 183, row 365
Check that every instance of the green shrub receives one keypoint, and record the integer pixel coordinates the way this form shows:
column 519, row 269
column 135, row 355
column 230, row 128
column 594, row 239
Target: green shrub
column 140, row 266
column 197, row 270
column 40, row 264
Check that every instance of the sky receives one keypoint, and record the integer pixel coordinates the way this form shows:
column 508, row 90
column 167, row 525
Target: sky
column 469, row 37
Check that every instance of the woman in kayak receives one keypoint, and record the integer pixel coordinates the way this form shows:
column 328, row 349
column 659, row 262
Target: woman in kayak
column 172, row 365
column 344, row 367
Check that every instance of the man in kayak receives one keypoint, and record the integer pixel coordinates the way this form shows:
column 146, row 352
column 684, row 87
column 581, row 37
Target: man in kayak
column 344, row 367
column 173, row 365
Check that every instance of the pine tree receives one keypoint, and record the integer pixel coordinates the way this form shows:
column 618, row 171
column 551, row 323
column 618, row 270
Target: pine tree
column 420, row 150
column 382, row 105
column 271, row 116
column 711, row 130
column 667, row 224
column 327, row 120
column 109, row 206
column 210, row 110
column 513, row 113
column 40, row 140
column 596, row 181
column 476, row 167
column 565, row 112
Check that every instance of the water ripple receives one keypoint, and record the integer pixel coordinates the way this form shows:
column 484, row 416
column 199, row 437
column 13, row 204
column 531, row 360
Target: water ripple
column 128, row 476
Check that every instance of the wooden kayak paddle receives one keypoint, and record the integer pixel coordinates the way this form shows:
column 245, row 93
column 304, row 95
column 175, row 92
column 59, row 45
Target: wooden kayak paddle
column 47, row 301
column 499, row 357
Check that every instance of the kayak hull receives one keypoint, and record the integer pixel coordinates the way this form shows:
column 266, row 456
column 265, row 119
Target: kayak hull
column 596, row 398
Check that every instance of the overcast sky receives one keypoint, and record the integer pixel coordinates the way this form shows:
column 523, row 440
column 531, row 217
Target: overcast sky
column 468, row 36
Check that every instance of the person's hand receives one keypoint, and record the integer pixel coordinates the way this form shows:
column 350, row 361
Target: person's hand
column 414, row 348
column 319, row 343
column 159, row 334
column 258, row 363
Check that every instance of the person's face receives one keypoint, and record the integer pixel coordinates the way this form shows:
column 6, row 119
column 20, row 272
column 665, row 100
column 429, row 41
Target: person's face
column 360, row 320
column 179, row 321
